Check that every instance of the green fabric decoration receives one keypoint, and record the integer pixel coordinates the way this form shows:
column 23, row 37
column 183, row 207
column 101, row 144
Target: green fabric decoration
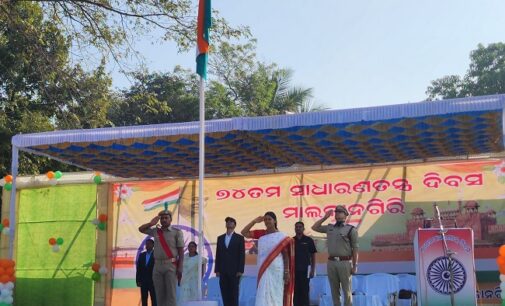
column 44, row 277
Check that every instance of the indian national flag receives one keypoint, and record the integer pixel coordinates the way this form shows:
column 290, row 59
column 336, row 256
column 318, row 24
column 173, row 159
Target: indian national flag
column 171, row 198
column 202, row 40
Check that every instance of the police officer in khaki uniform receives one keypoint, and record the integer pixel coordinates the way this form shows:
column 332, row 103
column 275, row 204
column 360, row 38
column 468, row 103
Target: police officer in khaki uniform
column 342, row 253
column 167, row 265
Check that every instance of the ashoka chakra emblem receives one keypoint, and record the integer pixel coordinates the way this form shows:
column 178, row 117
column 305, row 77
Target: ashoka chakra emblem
column 439, row 277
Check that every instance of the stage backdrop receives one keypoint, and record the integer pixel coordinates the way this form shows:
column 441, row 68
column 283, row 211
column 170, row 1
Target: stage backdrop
column 386, row 204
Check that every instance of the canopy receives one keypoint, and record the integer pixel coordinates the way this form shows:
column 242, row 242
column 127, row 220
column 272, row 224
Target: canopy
column 371, row 135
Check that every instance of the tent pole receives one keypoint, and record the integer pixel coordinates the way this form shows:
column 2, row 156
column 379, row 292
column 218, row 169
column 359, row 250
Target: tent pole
column 201, row 173
column 12, row 200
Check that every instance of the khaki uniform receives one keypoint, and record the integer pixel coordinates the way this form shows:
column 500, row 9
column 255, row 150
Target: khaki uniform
column 339, row 270
column 164, row 272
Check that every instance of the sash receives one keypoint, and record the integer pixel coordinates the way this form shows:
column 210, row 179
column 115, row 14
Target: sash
column 288, row 244
column 165, row 247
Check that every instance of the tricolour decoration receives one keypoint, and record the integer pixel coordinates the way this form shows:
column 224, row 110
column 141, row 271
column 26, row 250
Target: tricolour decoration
column 56, row 243
column 98, row 271
column 6, row 182
column 100, row 222
column 4, row 227
column 7, row 279
column 53, row 177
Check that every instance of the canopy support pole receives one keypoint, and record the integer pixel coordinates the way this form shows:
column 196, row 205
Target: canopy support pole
column 12, row 200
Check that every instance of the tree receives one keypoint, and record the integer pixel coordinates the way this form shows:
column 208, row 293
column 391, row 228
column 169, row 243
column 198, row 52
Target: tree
column 39, row 89
column 219, row 103
column 112, row 26
column 255, row 88
column 485, row 76
column 240, row 86
column 157, row 98
column 168, row 98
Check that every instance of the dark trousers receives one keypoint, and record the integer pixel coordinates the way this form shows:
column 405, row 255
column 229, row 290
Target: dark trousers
column 229, row 285
column 301, row 294
column 144, row 290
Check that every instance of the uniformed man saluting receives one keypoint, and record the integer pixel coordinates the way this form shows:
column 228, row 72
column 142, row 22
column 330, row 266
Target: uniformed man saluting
column 342, row 253
column 168, row 257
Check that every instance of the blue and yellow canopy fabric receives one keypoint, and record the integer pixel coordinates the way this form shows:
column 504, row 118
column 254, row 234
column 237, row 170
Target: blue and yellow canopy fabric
column 361, row 136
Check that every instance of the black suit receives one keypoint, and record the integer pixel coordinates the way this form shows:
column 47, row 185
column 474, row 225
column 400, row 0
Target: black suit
column 145, row 278
column 230, row 261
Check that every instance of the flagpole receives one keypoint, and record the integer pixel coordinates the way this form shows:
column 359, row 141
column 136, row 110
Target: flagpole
column 202, row 41
column 201, row 172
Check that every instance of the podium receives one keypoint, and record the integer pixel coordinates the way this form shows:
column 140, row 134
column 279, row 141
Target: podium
column 432, row 267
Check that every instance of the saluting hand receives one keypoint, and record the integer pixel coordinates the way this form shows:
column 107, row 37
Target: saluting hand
column 328, row 214
column 259, row 219
column 155, row 220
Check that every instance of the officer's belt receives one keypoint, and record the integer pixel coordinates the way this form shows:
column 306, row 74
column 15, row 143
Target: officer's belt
column 339, row 258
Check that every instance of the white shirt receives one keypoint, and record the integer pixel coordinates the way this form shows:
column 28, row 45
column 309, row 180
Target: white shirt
column 227, row 239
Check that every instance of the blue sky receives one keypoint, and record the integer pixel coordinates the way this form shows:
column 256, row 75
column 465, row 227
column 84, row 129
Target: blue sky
column 356, row 53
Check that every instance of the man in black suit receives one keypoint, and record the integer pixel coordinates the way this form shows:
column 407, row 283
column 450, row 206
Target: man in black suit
column 145, row 265
column 230, row 261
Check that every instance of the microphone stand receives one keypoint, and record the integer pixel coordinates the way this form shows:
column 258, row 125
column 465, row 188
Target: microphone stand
column 447, row 252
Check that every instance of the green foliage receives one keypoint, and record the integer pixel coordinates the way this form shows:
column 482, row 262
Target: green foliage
column 254, row 87
column 485, row 76
column 113, row 26
column 219, row 102
column 157, row 98
column 39, row 89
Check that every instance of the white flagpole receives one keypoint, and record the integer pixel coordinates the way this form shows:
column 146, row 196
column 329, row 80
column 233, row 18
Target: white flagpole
column 201, row 172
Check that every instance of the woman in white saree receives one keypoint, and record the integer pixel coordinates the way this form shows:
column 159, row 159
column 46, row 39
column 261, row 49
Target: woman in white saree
column 189, row 282
column 275, row 262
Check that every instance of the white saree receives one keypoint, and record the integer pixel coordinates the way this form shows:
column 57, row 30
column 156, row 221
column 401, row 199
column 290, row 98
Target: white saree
column 271, row 285
column 188, row 290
